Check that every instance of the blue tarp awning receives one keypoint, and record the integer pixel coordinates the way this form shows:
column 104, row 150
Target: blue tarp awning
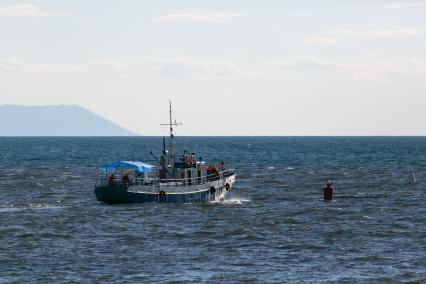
column 138, row 166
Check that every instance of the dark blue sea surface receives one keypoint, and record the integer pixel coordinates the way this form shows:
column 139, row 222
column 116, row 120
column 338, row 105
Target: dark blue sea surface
column 272, row 227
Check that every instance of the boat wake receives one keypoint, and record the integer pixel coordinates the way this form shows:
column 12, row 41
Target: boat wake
column 231, row 201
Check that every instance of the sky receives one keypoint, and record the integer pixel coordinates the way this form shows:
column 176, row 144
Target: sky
column 230, row 67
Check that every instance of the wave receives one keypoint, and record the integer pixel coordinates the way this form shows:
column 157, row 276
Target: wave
column 26, row 206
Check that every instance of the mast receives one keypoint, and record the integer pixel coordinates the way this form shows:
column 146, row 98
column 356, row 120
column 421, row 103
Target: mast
column 171, row 128
column 171, row 124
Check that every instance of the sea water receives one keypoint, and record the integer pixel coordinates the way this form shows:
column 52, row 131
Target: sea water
column 272, row 227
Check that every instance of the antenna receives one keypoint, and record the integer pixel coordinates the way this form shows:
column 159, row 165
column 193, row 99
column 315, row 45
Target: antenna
column 171, row 124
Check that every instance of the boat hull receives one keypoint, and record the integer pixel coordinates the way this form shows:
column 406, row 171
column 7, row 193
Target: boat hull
column 121, row 194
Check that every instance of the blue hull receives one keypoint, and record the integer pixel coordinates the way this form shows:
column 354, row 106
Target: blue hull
column 119, row 194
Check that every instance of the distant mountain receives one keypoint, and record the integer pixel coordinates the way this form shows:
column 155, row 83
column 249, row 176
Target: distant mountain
column 60, row 120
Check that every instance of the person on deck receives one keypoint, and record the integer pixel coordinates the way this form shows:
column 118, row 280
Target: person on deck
column 111, row 180
column 126, row 179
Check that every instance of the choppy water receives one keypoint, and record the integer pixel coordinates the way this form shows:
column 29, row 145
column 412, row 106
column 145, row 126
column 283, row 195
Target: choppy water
column 273, row 227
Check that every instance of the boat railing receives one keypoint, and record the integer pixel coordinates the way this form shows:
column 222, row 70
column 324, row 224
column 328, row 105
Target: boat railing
column 157, row 182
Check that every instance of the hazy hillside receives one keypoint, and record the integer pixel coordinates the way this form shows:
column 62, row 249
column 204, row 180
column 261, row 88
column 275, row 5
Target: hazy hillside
column 61, row 120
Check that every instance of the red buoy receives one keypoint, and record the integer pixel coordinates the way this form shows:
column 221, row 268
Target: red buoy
column 328, row 191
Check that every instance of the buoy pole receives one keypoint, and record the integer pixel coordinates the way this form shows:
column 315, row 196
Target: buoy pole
column 328, row 191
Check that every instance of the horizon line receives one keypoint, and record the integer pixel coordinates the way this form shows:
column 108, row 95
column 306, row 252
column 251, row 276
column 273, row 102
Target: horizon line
column 188, row 136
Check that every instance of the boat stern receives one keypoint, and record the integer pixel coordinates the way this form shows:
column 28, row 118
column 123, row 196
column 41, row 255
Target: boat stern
column 111, row 194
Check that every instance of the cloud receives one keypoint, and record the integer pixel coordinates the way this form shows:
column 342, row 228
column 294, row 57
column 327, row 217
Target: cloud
column 26, row 10
column 402, row 5
column 305, row 61
column 336, row 36
column 16, row 64
column 140, row 66
column 367, row 68
column 370, row 68
column 198, row 17
column 187, row 65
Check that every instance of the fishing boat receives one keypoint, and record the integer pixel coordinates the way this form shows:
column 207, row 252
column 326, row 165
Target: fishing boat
column 184, row 178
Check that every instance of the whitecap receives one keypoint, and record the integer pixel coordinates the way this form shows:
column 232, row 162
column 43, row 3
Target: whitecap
column 20, row 207
column 231, row 201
